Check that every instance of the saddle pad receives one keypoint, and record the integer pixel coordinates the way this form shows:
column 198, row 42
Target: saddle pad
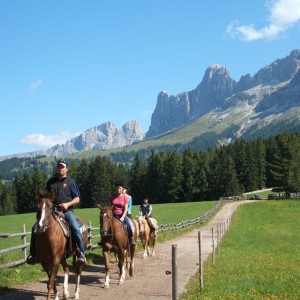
column 82, row 225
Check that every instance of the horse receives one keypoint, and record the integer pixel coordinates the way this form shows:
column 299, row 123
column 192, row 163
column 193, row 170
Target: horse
column 147, row 236
column 115, row 239
column 51, row 246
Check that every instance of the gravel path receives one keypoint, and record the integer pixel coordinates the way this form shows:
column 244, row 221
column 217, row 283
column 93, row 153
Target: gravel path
column 150, row 281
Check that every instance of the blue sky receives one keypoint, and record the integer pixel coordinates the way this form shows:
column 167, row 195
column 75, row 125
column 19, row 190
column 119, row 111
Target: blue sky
column 67, row 66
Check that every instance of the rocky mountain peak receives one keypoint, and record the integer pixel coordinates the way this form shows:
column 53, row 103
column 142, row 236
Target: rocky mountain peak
column 218, row 90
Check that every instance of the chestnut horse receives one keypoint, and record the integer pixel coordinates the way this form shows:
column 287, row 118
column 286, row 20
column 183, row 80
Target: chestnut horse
column 146, row 236
column 51, row 246
column 115, row 239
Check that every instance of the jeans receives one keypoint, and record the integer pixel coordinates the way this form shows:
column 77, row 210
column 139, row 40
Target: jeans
column 75, row 230
column 70, row 217
column 128, row 224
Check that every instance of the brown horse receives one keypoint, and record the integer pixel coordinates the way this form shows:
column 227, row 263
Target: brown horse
column 146, row 236
column 51, row 246
column 115, row 239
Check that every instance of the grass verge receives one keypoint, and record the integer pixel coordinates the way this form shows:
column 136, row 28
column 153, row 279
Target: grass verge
column 164, row 213
column 259, row 257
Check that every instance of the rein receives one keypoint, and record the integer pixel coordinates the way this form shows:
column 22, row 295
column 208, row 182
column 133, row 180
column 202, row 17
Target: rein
column 54, row 209
column 111, row 227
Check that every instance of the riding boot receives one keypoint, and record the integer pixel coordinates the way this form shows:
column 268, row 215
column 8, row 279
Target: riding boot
column 31, row 259
column 133, row 241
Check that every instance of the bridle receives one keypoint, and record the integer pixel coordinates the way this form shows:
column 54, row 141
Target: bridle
column 52, row 208
column 110, row 230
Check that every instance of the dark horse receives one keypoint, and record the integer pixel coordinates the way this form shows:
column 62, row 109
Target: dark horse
column 115, row 239
column 51, row 246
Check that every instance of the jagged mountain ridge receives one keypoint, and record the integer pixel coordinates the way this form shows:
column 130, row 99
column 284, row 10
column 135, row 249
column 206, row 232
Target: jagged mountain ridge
column 273, row 89
column 102, row 137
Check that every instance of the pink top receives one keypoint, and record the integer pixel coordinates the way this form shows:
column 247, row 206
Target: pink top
column 118, row 201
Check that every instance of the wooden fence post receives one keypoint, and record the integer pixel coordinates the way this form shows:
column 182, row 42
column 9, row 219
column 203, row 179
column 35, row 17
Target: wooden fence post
column 90, row 235
column 174, row 272
column 23, row 242
column 213, row 245
column 200, row 260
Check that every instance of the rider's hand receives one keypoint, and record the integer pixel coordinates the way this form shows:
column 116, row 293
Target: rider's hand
column 63, row 206
column 122, row 219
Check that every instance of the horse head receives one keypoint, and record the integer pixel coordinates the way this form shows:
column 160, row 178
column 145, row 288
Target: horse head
column 142, row 223
column 44, row 209
column 106, row 217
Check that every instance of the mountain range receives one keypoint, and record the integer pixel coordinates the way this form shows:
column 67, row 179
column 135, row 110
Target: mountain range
column 256, row 100
column 258, row 105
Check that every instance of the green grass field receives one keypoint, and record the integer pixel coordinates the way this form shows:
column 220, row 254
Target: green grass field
column 164, row 213
column 259, row 257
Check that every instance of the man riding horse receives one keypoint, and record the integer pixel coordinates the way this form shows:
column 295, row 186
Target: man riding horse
column 67, row 195
column 146, row 211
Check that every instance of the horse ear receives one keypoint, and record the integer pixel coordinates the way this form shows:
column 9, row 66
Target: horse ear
column 39, row 194
column 99, row 206
column 51, row 195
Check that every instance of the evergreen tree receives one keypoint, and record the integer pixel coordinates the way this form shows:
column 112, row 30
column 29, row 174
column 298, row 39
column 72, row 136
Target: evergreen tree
column 172, row 177
column 84, row 185
column 189, row 175
column 101, row 180
column 137, row 179
column 154, row 175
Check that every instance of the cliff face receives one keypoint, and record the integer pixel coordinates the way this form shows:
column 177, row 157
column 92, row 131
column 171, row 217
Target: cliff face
column 104, row 136
column 274, row 85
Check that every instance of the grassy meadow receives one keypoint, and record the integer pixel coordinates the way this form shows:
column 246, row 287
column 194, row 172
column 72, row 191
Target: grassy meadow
column 259, row 257
column 164, row 213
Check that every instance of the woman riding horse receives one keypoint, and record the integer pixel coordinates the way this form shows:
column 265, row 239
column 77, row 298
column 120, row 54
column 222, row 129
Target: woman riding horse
column 115, row 239
column 119, row 201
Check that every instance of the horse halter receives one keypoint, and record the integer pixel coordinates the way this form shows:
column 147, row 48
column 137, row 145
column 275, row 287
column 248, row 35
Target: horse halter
column 105, row 232
column 142, row 224
column 43, row 223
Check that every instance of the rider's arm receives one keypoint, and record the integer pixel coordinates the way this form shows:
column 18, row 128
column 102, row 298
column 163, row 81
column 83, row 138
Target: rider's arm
column 75, row 197
column 150, row 211
column 74, row 201
column 124, row 212
column 140, row 211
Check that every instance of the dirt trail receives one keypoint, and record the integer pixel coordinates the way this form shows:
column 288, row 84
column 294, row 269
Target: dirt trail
column 150, row 280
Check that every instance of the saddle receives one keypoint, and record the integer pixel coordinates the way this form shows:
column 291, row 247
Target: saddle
column 60, row 217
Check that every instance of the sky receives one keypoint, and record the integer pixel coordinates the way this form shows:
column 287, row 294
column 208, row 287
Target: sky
column 67, row 66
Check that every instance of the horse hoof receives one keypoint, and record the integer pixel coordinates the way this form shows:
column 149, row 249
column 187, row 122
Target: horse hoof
column 106, row 286
column 76, row 296
column 121, row 282
column 66, row 296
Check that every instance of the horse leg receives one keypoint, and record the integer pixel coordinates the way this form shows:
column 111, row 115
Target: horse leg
column 146, row 246
column 66, row 294
column 121, row 265
column 132, row 256
column 107, row 266
column 153, row 244
column 51, row 282
column 78, row 273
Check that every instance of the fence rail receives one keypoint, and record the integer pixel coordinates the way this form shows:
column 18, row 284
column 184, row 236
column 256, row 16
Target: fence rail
column 23, row 246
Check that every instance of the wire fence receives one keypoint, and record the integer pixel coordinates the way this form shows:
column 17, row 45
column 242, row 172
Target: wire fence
column 91, row 237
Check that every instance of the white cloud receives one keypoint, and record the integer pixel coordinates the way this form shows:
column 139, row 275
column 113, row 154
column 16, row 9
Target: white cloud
column 147, row 113
column 283, row 14
column 36, row 84
column 47, row 141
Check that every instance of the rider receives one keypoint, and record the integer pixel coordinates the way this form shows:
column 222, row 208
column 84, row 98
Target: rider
column 146, row 211
column 129, row 208
column 119, row 200
column 67, row 195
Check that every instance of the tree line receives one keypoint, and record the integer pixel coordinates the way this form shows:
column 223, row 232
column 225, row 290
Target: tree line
column 171, row 176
